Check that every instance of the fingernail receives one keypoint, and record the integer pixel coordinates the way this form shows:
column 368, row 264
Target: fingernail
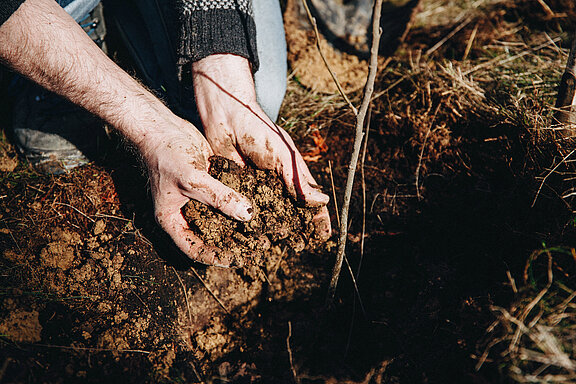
column 243, row 211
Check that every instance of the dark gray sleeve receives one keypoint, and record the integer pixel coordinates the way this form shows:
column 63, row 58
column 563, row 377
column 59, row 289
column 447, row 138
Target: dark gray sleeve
column 216, row 26
column 7, row 8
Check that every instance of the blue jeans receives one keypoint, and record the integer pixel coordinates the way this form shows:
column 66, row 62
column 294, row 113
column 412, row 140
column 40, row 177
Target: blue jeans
column 144, row 25
column 78, row 9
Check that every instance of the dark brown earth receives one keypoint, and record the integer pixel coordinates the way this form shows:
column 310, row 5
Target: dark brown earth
column 91, row 290
column 276, row 219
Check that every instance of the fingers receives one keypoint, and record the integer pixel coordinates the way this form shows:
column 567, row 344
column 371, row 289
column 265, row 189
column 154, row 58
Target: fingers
column 312, row 193
column 272, row 148
column 224, row 146
column 297, row 176
column 177, row 228
column 210, row 191
column 169, row 200
column 322, row 226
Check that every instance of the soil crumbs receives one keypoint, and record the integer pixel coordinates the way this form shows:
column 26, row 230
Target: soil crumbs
column 85, row 296
column 276, row 217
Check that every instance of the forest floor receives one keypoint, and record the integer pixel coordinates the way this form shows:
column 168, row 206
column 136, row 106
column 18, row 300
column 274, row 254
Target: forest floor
column 461, row 236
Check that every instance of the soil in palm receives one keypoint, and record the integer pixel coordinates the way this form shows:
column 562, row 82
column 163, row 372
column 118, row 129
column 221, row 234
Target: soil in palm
column 277, row 219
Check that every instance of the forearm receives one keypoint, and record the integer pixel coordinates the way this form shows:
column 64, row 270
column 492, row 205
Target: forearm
column 42, row 42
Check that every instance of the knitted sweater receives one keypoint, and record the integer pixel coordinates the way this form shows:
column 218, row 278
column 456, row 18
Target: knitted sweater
column 206, row 27
column 7, row 8
column 217, row 26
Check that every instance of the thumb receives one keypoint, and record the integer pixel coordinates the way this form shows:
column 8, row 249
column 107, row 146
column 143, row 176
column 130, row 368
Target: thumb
column 210, row 191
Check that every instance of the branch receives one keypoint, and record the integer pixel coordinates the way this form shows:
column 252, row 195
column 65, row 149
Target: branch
column 368, row 90
column 313, row 22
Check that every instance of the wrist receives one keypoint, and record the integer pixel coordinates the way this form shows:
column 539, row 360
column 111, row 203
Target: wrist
column 221, row 82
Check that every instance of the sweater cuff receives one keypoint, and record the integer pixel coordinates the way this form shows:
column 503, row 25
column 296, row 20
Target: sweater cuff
column 7, row 8
column 217, row 31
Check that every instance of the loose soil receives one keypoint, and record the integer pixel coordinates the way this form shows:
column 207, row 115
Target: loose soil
column 306, row 62
column 276, row 218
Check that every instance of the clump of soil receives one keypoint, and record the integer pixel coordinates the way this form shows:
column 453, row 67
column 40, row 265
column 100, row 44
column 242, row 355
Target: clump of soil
column 276, row 218
column 19, row 325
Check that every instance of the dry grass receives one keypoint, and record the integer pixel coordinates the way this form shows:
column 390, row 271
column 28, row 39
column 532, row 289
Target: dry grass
column 490, row 72
column 533, row 339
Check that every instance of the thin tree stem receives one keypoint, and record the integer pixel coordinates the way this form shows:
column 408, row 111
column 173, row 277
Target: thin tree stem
column 368, row 90
column 566, row 100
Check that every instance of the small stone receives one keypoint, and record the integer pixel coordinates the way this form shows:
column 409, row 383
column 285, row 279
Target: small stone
column 99, row 227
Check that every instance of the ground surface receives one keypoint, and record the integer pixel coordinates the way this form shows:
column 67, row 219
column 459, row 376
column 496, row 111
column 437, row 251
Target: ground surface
column 449, row 205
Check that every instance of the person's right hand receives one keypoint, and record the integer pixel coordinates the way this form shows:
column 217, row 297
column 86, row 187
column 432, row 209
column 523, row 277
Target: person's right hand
column 177, row 162
column 237, row 128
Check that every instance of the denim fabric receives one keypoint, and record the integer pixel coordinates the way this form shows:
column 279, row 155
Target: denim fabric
column 78, row 9
column 271, row 77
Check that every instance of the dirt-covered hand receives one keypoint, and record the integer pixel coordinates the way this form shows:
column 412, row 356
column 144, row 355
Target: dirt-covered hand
column 35, row 41
column 237, row 128
column 177, row 162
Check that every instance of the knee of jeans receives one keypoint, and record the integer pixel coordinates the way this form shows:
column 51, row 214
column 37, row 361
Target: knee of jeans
column 270, row 90
column 270, row 79
column 78, row 9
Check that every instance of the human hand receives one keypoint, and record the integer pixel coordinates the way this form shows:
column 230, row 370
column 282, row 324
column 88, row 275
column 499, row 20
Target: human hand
column 35, row 41
column 177, row 162
column 237, row 128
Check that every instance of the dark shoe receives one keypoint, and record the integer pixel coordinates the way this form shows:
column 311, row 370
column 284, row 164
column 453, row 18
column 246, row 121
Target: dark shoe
column 52, row 133
column 95, row 27
column 347, row 24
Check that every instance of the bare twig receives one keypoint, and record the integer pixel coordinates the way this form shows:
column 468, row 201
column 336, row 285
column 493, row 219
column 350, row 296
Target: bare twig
column 91, row 349
column 263, row 272
column 566, row 99
column 189, row 318
column 185, row 296
column 470, row 42
column 512, row 282
column 13, row 239
column 500, row 60
column 546, row 8
column 417, row 179
column 112, row 217
column 355, row 285
column 294, row 374
column 209, row 290
column 376, row 96
column 548, row 175
column 368, row 90
column 448, row 36
column 334, row 193
column 277, row 266
column 363, row 178
column 315, row 26
column 77, row 210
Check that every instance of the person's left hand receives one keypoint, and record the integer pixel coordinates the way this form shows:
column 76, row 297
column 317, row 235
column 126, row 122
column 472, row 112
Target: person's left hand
column 176, row 156
column 238, row 129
